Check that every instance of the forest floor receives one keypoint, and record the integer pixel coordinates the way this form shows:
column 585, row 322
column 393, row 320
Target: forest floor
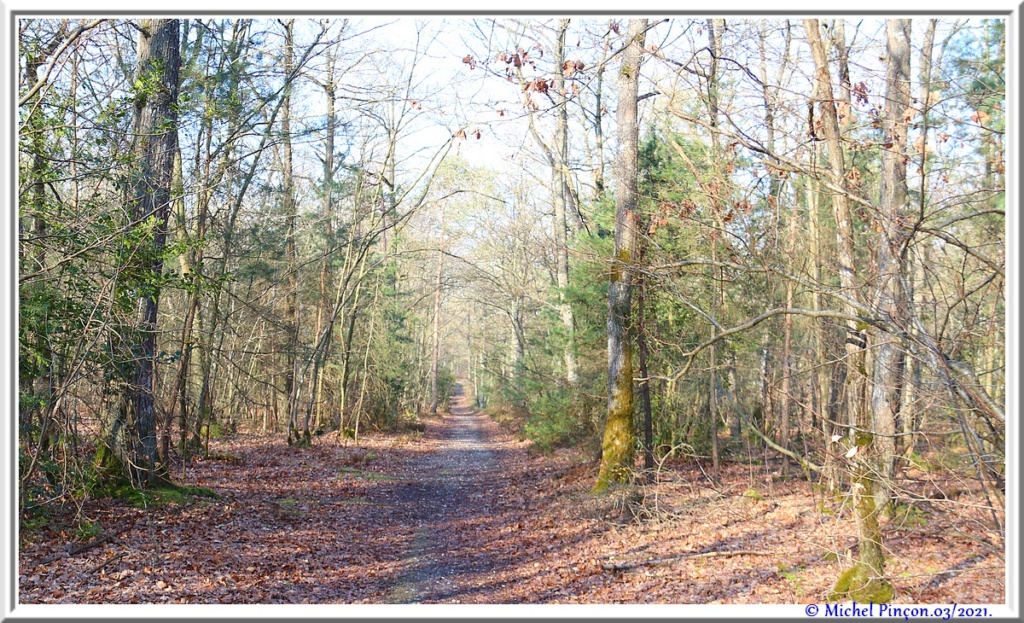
column 466, row 513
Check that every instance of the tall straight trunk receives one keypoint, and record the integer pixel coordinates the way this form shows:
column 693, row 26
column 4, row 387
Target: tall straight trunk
column 775, row 189
column 716, row 28
column 865, row 581
column 292, row 313
column 713, row 406
column 561, row 196
column 842, row 61
column 180, row 397
column 518, row 354
column 323, row 315
column 599, row 125
column 913, row 268
column 617, row 447
column 888, row 363
column 155, row 139
column 820, row 395
column 346, row 354
column 366, row 365
column 645, row 383
column 435, row 350
column 787, row 351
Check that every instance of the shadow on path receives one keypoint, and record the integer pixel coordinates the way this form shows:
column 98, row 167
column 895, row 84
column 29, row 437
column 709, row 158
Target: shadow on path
column 449, row 497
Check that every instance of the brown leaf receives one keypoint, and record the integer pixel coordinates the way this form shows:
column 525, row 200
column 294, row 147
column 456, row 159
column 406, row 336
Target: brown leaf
column 860, row 91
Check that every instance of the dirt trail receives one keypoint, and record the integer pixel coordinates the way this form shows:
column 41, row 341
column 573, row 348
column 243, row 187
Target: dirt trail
column 449, row 497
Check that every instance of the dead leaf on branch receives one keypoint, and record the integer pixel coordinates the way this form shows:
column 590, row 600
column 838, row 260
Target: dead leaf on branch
column 540, row 85
column 860, row 92
column 980, row 117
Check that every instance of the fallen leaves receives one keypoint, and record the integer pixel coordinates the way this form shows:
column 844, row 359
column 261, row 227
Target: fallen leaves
column 522, row 528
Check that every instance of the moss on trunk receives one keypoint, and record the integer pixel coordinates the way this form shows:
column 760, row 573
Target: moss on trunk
column 865, row 581
column 617, row 449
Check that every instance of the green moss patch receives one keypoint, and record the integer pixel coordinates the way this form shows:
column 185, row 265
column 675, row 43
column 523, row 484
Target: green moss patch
column 858, row 584
column 162, row 495
column 363, row 474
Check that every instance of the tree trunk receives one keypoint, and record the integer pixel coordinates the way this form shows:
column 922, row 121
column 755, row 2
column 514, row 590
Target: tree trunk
column 323, row 315
column 785, row 407
column 154, row 145
column 435, row 349
column 716, row 28
column 645, row 384
column 865, row 581
column 292, row 382
column 888, row 372
column 617, row 447
column 561, row 195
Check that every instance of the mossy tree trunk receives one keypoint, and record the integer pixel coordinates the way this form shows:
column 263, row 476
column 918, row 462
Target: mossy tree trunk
column 131, row 438
column 868, row 572
column 617, row 449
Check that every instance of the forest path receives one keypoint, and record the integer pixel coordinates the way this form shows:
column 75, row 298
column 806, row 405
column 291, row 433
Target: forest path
column 449, row 494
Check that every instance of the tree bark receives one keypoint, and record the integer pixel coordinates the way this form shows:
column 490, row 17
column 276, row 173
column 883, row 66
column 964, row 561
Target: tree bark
column 617, row 447
column 561, row 197
column 154, row 145
column 435, row 349
column 888, row 364
column 865, row 581
column 716, row 28
column 292, row 382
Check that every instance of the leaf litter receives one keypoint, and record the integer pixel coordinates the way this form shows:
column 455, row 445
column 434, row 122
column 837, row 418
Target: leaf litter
column 467, row 513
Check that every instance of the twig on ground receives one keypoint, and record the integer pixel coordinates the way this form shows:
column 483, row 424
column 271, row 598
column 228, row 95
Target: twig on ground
column 624, row 566
column 85, row 547
column 105, row 563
